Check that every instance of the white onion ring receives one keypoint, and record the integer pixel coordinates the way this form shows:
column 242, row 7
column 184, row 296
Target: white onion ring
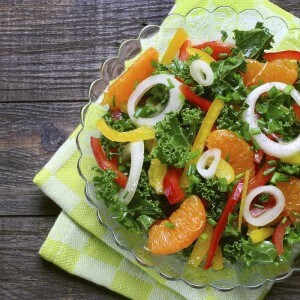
column 136, row 151
column 270, row 147
column 174, row 104
column 269, row 215
column 214, row 154
column 202, row 72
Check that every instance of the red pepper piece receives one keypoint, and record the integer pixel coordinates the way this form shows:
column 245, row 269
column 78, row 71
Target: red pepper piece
column 217, row 47
column 297, row 110
column 271, row 56
column 230, row 204
column 193, row 98
column 105, row 164
column 256, row 212
column 183, row 54
column 278, row 236
column 261, row 179
column 171, row 185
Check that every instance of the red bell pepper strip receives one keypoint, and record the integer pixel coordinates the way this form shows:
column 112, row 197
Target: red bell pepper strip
column 193, row 98
column 278, row 236
column 260, row 178
column 105, row 164
column 171, row 185
column 217, row 47
column 256, row 212
column 297, row 110
column 271, row 56
column 183, row 54
column 230, row 204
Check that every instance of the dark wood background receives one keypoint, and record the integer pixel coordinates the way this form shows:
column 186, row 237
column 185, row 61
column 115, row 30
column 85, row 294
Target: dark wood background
column 50, row 52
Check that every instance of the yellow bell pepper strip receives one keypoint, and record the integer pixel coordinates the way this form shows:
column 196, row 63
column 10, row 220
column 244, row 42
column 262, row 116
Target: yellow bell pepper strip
column 156, row 174
column 138, row 134
column 201, row 246
column 203, row 55
column 199, row 143
column 244, row 195
column 174, row 46
column 225, row 170
column 261, row 234
column 217, row 263
column 293, row 160
column 251, row 228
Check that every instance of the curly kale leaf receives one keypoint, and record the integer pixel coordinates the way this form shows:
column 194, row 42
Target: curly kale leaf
column 253, row 42
column 174, row 136
column 124, row 123
column 233, row 249
column 228, row 84
column 209, row 190
column 292, row 170
column 277, row 115
column 292, row 234
column 263, row 252
column 143, row 209
column 231, row 119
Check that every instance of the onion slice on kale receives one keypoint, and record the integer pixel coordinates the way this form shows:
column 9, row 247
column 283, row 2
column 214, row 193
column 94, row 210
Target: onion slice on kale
column 277, row 149
column 211, row 154
column 136, row 151
column 174, row 104
column 269, row 215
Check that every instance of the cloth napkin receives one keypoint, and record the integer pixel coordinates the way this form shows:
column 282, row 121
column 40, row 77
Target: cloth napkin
column 78, row 244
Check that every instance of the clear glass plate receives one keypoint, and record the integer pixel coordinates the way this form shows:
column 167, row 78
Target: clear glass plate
column 201, row 25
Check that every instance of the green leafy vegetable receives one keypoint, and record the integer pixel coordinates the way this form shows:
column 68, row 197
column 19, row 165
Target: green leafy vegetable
column 277, row 115
column 253, row 42
column 289, row 169
column 143, row 209
column 228, row 83
column 231, row 119
column 174, row 135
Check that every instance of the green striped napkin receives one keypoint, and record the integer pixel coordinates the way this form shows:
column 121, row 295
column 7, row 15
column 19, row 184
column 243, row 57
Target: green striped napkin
column 80, row 245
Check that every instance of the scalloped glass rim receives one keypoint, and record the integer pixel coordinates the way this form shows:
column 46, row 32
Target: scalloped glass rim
column 173, row 267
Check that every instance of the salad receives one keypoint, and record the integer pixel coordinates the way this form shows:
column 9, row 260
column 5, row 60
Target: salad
column 200, row 149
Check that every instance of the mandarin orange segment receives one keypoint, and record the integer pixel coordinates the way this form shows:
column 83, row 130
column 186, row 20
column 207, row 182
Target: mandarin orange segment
column 182, row 228
column 233, row 149
column 291, row 192
column 281, row 70
column 119, row 91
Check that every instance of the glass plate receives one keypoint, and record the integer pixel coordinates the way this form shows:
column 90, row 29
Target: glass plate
column 201, row 25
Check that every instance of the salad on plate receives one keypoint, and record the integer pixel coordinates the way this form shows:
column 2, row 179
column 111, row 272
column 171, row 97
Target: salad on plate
column 200, row 149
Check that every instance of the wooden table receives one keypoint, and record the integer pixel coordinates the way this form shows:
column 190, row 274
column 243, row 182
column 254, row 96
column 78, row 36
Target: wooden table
column 50, row 52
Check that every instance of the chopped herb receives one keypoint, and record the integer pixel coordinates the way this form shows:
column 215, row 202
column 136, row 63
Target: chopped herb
column 269, row 171
column 224, row 35
column 255, row 131
column 169, row 225
column 278, row 177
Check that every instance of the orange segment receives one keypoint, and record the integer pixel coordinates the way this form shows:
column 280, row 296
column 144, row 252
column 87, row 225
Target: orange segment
column 187, row 223
column 291, row 192
column 281, row 70
column 233, row 148
column 120, row 90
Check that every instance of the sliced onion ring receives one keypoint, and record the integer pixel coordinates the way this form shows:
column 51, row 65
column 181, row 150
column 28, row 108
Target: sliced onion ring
column 215, row 155
column 270, row 147
column 174, row 104
column 269, row 215
column 136, row 152
column 202, row 72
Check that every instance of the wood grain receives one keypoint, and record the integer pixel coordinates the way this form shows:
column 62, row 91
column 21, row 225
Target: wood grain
column 24, row 275
column 30, row 135
column 50, row 52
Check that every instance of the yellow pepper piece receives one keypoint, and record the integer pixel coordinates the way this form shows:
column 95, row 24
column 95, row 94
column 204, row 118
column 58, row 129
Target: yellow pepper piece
column 225, row 170
column 261, row 234
column 156, row 174
column 174, row 46
column 244, row 195
column 138, row 134
column 201, row 247
column 199, row 143
column 217, row 263
column 203, row 55
column 293, row 160
column 251, row 228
